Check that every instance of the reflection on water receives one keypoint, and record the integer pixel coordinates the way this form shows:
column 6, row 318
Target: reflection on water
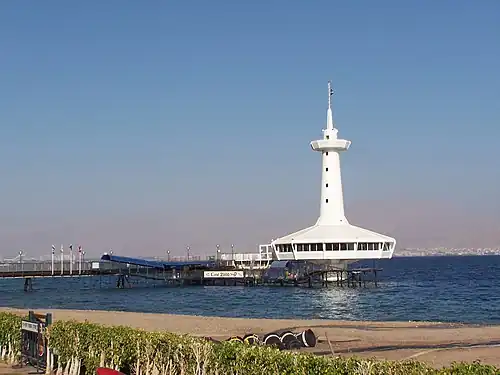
column 440, row 289
column 337, row 303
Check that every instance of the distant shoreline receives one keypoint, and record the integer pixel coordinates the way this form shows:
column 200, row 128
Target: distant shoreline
column 441, row 255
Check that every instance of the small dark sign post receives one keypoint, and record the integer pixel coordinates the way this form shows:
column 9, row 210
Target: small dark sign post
column 34, row 346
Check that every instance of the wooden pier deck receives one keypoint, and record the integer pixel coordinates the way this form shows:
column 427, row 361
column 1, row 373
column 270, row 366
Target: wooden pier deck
column 186, row 276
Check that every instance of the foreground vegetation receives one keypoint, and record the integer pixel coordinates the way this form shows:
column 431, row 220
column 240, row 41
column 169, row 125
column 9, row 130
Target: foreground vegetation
column 82, row 347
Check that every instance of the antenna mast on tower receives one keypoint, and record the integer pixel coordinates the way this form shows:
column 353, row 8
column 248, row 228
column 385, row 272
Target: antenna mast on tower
column 329, row 116
column 330, row 93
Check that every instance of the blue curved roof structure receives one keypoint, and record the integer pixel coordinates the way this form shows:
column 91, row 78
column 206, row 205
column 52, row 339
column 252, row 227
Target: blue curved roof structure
column 157, row 264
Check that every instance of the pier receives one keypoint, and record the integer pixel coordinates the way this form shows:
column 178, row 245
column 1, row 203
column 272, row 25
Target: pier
column 128, row 270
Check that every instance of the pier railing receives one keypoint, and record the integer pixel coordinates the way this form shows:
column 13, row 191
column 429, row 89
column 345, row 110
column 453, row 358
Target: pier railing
column 47, row 268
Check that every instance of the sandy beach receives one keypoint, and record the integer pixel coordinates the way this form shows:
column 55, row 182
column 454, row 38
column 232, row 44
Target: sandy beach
column 435, row 343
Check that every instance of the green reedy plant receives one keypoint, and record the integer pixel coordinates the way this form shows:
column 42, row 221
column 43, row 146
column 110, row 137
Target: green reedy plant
column 81, row 347
column 10, row 337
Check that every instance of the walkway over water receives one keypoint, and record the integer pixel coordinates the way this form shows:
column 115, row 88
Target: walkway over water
column 128, row 270
column 160, row 265
column 108, row 264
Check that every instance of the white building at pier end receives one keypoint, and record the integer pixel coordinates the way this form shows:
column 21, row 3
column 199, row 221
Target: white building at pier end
column 332, row 239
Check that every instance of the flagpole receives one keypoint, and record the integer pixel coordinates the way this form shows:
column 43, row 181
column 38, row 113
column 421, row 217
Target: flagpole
column 62, row 260
column 79, row 260
column 71, row 259
column 53, row 251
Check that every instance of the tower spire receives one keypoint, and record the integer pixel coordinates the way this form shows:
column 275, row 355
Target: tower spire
column 330, row 93
column 329, row 116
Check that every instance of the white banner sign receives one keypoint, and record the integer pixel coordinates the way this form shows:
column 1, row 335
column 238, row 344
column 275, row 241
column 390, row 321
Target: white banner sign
column 29, row 326
column 224, row 274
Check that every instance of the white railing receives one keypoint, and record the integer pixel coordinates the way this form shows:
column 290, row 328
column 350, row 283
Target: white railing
column 48, row 267
column 240, row 257
column 257, row 260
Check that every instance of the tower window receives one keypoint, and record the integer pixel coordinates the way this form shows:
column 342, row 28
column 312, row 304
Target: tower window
column 326, row 200
column 326, row 153
column 326, row 169
column 327, row 185
column 327, row 137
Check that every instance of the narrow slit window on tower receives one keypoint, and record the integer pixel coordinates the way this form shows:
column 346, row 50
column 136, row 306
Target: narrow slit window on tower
column 326, row 153
column 327, row 137
column 326, row 169
column 326, row 200
column 327, row 184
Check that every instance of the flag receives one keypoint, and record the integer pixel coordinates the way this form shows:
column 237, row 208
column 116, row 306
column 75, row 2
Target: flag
column 53, row 249
column 331, row 92
column 62, row 249
column 71, row 247
column 79, row 248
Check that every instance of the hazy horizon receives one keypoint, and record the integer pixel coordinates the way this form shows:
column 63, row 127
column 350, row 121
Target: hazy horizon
column 155, row 126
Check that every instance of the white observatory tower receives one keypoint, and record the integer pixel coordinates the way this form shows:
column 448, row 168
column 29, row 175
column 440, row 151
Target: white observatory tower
column 332, row 239
column 332, row 198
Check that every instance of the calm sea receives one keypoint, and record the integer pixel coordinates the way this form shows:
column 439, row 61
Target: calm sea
column 445, row 289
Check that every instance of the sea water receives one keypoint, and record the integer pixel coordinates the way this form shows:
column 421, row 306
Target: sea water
column 447, row 289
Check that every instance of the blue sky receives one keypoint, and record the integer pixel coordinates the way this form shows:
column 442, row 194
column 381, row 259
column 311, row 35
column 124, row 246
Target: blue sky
column 150, row 125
